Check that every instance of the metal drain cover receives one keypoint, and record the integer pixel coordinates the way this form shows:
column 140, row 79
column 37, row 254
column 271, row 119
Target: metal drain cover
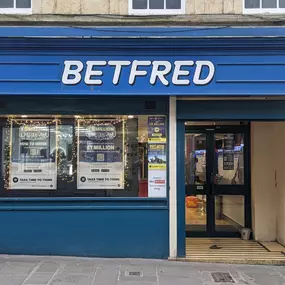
column 222, row 277
column 133, row 273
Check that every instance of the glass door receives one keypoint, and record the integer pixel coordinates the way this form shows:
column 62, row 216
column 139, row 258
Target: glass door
column 216, row 180
column 197, row 185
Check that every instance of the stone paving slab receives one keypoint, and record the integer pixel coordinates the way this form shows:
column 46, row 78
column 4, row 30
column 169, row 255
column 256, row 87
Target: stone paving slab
column 34, row 270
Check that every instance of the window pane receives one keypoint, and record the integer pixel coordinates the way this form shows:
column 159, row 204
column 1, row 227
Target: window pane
column 122, row 156
column 7, row 4
column 282, row 3
column 139, row 4
column 173, row 4
column 108, row 155
column 269, row 4
column 195, row 213
column 251, row 4
column 64, row 151
column 23, row 3
column 229, row 159
column 156, row 4
column 195, row 159
column 229, row 213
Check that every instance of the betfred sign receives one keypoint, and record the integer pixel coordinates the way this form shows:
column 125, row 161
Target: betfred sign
column 180, row 72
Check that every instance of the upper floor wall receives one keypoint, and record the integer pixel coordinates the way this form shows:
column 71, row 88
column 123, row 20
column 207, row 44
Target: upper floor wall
column 141, row 7
column 138, row 7
column 129, row 12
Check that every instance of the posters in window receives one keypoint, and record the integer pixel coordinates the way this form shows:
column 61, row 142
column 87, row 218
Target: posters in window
column 157, row 158
column 228, row 153
column 32, row 164
column 156, row 129
column 100, row 155
column 157, row 170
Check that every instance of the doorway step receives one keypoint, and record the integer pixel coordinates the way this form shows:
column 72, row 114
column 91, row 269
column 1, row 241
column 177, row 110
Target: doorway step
column 231, row 250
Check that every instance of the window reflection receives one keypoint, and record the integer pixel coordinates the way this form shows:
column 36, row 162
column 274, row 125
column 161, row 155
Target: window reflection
column 229, row 159
column 195, row 159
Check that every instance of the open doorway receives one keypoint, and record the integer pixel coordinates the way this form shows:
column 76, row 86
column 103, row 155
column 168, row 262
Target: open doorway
column 217, row 188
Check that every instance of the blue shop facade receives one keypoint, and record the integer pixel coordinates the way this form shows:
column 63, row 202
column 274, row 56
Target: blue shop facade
column 97, row 128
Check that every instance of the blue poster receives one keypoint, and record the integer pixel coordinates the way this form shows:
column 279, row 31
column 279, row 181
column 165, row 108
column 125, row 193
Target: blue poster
column 100, row 154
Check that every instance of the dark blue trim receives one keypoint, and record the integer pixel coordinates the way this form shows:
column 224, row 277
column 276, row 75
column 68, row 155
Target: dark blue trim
column 142, row 32
column 79, row 208
column 83, row 199
column 231, row 110
column 180, row 190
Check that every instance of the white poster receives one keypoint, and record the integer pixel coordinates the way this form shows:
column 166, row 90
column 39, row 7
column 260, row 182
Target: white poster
column 100, row 154
column 32, row 163
column 157, row 170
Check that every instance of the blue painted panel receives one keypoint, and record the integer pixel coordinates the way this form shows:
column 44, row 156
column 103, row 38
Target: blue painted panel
column 142, row 32
column 231, row 110
column 29, row 71
column 234, row 75
column 121, row 232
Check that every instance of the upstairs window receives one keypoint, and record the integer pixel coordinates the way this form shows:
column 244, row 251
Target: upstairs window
column 15, row 6
column 264, row 6
column 156, row 7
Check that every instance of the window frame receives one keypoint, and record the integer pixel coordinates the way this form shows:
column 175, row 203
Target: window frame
column 261, row 10
column 15, row 10
column 149, row 12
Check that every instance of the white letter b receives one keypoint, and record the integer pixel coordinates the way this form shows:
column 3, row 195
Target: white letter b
column 73, row 73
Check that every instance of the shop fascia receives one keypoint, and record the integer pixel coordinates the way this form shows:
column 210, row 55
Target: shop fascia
column 74, row 71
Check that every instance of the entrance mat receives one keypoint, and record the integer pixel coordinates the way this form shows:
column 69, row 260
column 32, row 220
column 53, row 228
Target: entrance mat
column 230, row 250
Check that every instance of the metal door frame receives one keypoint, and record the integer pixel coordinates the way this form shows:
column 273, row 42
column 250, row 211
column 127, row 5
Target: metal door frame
column 244, row 190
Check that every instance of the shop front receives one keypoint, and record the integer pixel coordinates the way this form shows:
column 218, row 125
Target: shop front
column 123, row 146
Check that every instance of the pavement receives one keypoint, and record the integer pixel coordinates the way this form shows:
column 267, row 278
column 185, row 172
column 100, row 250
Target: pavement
column 36, row 270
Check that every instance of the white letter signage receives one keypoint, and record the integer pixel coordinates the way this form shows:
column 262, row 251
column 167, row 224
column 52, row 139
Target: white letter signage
column 164, row 72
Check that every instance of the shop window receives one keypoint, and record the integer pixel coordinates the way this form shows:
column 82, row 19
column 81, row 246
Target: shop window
column 156, row 7
column 264, row 6
column 15, row 6
column 103, row 156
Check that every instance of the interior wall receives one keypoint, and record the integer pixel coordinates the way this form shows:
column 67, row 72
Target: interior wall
column 264, row 191
column 233, row 208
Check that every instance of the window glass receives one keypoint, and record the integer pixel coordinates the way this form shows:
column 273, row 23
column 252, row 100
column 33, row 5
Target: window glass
column 149, row 5
column 139, row 4
column 229, row 159
column 65, row 151
column 109, row 156
column 6, row 3
column 156, row 4
column 269, row 3
column 281, row 3
column 173, row 4
column 23, row 4
column 229, row 213
column 195, row 159
column 252, row 4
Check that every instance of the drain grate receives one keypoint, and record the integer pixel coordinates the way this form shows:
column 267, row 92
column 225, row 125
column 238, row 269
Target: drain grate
column 133, row 273
column 222, row 277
